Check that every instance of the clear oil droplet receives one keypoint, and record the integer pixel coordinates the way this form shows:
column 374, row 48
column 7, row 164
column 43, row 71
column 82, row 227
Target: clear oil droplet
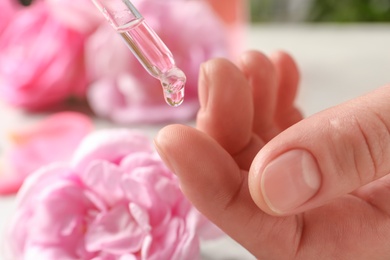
column 173, row 83
column 147, row 47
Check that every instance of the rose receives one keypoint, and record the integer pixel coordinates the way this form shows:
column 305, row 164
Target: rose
column 116, row 200
column 8, row 9
column 80, row 15
column 41, row 60
column 52, row 139
column 124, row 100
column 123, row 91
column 235, row 17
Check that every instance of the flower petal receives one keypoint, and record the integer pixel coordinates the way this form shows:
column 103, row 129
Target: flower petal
column 79, row 15
column 164, row 244
column 125, row 205
column 140, row 216
column 115, row 232
column 59, row 215
column 38, row 70
column 136, row 192
column 104, row 179
column 111, row 145
column 187, row 248
column 40, row 179
column 139, row 159
column 52, row 139
column 35, row 252
column 9, row 185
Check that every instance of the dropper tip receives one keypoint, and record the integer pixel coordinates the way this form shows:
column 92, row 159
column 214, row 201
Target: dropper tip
column 173, row 83
column 174, row 99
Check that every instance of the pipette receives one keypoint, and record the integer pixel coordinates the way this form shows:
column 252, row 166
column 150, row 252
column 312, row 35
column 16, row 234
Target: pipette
column 146, row 45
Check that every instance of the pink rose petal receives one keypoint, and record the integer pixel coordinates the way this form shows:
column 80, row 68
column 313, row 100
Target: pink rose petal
column 41, row 60
column 105, row 145
column 114, row 204
column 52, row 139
column 115, row 232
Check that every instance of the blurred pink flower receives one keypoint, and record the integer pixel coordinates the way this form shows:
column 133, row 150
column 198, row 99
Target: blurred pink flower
column 8, row 9
column 53, row 139
column 234, row 14
column 41, row 60
column 123, row 91
column 80, row 15
column 116, row 200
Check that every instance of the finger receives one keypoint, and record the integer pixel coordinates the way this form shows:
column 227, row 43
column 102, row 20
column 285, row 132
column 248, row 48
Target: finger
column 226, row 112
column 213, row 182
column 288, row 74
column 376, row 193
column 261, row 75
column 324, row 156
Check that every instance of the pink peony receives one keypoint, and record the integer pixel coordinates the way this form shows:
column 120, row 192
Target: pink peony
column 41, row 61
column 116, row 200
column 123, row 91
column 53, row 139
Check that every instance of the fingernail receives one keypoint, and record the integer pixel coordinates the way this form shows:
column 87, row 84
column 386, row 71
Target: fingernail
column 290, row 180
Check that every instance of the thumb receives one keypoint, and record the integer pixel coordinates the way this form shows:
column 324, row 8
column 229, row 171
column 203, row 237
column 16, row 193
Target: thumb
column 324, row 156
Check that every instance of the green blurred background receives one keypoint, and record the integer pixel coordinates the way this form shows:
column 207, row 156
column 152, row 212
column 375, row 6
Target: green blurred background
column 341, row 11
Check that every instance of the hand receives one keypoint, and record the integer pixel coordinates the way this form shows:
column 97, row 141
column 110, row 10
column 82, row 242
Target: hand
column 282, row 186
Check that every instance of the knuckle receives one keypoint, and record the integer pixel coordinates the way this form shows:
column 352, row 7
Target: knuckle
column 360, row 146
column 372, row 146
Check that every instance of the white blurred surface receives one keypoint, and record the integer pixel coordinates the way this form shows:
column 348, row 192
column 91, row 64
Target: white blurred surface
column 337, row 64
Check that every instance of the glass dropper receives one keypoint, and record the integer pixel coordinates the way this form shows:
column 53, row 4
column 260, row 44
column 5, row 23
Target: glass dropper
column 146, row 45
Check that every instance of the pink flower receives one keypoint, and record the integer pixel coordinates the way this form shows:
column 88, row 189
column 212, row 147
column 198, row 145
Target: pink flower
column 41, row 60
column 123, row 91
column 80, row 15
column 235, row 16
column 53, row 139
column 8, row 9
column 116, row 200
